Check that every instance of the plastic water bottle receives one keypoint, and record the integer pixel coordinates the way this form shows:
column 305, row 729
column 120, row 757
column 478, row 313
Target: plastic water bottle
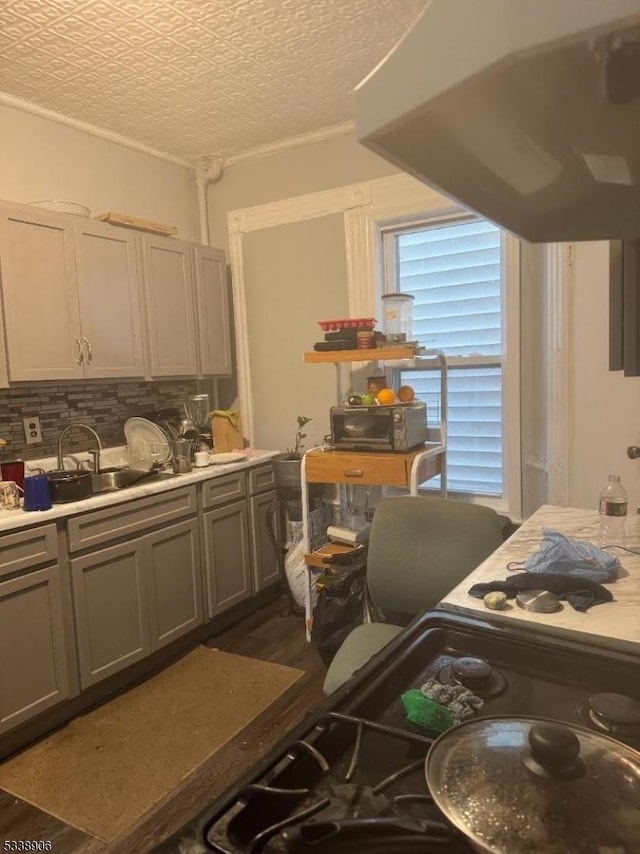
column 613, row 513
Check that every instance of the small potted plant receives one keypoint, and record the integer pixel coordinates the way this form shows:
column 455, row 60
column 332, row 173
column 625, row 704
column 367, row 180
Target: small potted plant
column 295, row 453
column 286, row 467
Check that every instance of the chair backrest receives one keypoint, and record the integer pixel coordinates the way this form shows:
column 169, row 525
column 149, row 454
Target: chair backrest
column 421, row 547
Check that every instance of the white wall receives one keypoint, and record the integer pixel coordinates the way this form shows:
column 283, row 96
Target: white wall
column 282, row 325
column 42, row 159
column 604, row 405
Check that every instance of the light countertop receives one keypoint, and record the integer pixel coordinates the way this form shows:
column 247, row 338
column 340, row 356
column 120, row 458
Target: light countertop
column 614, row 624
column 14, row 519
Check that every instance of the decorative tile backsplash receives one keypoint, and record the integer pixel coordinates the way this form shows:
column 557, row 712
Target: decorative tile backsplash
column 105, row 407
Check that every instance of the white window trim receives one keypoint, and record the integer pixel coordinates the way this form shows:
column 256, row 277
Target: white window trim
column 402, row 202
column 559, row 292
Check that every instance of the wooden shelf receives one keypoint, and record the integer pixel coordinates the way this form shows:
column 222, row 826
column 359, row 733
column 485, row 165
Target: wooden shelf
column 315, row 558
column 375, row 355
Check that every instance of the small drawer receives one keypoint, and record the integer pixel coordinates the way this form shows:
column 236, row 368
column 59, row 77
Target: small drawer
column 123, row 520
column 221, row 490
column 27, row 548
column 261, row 479
column 373, row 468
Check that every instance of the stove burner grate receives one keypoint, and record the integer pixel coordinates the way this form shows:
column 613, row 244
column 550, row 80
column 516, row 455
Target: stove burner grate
column 396, row 811
column 615, row 714
column 476, row 674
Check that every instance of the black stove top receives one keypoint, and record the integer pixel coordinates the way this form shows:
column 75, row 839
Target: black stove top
column 351, row 777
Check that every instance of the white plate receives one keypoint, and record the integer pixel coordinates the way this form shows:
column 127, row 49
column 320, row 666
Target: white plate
column 139, row 433
column 63, row 207
column 225, row 459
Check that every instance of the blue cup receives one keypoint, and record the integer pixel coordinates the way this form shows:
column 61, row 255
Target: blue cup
column 36, row 492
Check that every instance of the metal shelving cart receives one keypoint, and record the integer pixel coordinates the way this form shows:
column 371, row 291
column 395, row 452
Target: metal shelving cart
column 407, row 470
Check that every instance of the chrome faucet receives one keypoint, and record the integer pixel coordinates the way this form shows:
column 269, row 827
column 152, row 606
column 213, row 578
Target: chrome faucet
column 95, row 453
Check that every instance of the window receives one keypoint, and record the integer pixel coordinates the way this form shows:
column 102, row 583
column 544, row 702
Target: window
column 456, row 271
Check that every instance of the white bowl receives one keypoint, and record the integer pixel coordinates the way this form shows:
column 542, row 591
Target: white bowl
column 63, row 207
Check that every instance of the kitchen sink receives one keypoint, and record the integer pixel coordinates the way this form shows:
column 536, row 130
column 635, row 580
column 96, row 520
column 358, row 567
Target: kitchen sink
column 111, row 481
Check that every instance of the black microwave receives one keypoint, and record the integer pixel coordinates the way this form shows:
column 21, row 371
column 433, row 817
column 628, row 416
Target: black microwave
column 398, row 427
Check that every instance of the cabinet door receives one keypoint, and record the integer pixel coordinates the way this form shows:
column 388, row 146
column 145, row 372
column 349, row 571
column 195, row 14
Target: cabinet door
column 40, row 296
column 109, row 298
column 111, row 610
column 170, row 306
column 228, row 560
column 33, row 668
column 212, row 297
column 265, row 561
column 174, row 582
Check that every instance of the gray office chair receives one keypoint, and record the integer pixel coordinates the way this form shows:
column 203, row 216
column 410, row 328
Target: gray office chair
column 419, row 549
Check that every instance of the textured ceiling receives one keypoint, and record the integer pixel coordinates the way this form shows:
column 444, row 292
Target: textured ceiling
column 195, row 78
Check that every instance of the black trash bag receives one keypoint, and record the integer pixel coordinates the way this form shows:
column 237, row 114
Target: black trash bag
column 341, row 606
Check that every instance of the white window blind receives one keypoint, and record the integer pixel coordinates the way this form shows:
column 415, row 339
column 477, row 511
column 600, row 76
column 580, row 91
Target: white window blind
column 453, row 270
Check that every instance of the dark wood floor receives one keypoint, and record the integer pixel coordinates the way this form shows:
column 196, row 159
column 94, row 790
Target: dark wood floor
column 271, row 634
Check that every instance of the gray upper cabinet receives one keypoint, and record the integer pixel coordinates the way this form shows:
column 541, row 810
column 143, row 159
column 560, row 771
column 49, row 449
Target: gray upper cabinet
column 212, row 298
column 33, row 666
column 174, row 582
column 71, row 296
column 40, row 294
column 109, row 297
column 84, row 299
column 170, row 306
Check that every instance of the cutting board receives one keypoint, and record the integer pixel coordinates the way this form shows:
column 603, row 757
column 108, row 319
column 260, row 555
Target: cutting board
column 226, row 437
column 139, row 224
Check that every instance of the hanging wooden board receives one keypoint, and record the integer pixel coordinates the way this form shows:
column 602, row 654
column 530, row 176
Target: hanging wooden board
column 139, row 224
column 226, row 436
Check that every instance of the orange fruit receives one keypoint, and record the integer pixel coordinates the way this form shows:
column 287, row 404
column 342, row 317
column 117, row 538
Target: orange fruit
column 406, row 393
column 386, row 395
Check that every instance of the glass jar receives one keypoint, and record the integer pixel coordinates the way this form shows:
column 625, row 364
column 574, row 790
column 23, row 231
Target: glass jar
column 397, row 317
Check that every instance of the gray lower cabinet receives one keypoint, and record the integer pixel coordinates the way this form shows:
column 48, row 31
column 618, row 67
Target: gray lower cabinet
column 111, row 610
column 175, row 582
column 133, row 598
column 33, row 666
column 228, row 556
column 265, row 561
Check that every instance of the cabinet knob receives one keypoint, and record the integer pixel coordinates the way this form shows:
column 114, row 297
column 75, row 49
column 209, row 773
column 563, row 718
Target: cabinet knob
column 80, row 355
column 353, row 472
column 633, row 452
column 89, row 350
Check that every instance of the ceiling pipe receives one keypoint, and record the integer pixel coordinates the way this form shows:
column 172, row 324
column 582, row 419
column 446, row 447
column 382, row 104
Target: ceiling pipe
column 208, row 170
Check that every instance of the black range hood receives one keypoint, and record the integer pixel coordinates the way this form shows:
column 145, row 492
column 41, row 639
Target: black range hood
column 525, row 111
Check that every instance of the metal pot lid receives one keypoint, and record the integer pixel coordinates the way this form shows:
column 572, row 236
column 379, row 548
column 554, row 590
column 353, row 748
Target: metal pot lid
column 529, row 785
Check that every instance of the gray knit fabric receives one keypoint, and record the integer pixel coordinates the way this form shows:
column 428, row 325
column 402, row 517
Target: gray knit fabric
column 461, row 702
